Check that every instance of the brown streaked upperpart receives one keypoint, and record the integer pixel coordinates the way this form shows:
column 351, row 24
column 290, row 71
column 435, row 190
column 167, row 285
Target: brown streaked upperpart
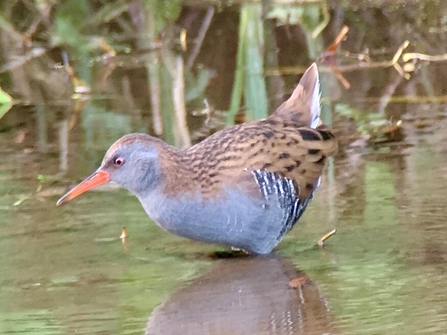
column 225, row 157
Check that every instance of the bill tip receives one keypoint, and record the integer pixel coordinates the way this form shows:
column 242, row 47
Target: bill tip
column 61, row 201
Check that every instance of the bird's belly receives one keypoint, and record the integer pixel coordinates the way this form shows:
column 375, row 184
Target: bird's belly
column 233, row 220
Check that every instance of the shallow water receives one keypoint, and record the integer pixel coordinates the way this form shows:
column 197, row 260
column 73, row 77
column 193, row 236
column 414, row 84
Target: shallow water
column 65, row 270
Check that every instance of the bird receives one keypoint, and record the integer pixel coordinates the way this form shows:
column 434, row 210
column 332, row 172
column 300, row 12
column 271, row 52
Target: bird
column 243, row 187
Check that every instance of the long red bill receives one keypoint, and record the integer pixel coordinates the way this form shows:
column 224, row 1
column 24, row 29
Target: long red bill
column 98, row 178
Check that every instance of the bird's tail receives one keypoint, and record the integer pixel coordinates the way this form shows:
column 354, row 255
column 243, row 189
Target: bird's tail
column 303, row 106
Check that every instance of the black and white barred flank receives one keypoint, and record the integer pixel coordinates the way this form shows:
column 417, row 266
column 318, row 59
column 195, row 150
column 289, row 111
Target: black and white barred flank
column 281, row 190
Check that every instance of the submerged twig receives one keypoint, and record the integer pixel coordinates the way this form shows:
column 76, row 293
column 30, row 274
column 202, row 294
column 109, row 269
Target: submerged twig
column 21, row 60
column 329, row 57
column 9, row 29
column 388, row 93
column 80, row 86
column 44, row 15
column 409, row 99
column 202, row 32
column 350, row 67
column 341, row 35
column 321, row 241
column 214, row 121
column 418, row 56
column 123, row 237
column 371, row 65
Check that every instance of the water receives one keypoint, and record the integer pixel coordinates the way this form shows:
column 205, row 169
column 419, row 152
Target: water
column 65, row 270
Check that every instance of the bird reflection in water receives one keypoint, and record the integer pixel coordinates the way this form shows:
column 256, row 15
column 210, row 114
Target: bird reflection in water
column 245, row 296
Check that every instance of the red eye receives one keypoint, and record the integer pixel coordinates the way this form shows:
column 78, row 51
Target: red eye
column 118, row 161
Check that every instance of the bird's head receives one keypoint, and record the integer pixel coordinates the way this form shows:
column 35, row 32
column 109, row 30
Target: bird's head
column 131, row 162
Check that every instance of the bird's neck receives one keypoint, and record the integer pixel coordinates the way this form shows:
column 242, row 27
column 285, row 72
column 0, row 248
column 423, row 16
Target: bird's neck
column 177, row 177
column 176, row 193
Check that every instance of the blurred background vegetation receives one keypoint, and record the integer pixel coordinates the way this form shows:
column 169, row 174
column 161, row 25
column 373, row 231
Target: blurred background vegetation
column 184, row 69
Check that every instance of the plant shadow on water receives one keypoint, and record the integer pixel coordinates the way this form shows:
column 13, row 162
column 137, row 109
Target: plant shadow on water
column 65, row 270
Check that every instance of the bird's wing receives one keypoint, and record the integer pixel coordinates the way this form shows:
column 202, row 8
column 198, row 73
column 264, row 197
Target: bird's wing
column 298, row 155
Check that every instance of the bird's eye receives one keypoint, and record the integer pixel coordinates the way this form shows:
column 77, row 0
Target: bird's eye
column 118, row 161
